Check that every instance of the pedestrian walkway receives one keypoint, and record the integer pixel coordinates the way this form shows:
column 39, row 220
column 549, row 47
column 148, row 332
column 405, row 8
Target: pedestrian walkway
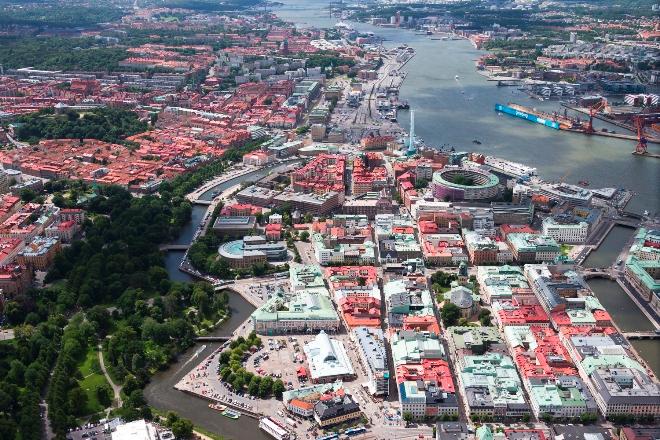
column 116, row 389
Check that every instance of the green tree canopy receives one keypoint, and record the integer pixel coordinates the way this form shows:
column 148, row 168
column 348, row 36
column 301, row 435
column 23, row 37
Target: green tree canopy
column 450, row 314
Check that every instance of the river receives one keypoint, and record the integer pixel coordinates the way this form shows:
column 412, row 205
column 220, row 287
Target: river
column 628, row 317
column 447, row 112
column 160, row 392
column 622, row 309
column 618, row 238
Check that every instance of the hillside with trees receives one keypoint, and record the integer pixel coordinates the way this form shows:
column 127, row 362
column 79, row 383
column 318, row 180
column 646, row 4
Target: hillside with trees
column 57, row 53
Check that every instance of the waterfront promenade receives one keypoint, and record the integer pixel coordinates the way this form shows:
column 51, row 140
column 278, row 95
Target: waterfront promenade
column 232, row 173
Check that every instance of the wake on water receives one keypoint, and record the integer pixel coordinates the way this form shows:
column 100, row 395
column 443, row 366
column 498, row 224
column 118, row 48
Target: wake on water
column 194, row 355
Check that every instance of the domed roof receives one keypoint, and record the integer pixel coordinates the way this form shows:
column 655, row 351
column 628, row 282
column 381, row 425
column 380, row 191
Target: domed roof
column 462, row 297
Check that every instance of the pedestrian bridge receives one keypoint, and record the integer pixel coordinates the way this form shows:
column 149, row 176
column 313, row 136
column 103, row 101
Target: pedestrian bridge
column 642, row 335
column 632, row 215
column 631, row 223
column 598, row 273
column 174, row 247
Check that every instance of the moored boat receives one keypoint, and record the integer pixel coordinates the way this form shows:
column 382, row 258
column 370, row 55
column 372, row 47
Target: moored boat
column 274, row 428
column 553, row 121
column 231, row 414
column 217, row 406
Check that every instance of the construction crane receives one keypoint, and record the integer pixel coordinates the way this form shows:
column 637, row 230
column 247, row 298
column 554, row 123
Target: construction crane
column 641, row 147
column 593, row 111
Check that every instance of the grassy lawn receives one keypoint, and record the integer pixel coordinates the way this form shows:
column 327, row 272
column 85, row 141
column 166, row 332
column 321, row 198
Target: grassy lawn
column 565, row 249
column 92, row 378
column 444, row 289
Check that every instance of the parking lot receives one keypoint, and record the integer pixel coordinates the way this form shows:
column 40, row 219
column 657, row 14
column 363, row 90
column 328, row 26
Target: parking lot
column 281, row 357
column 103, row 431
column 259, row 289
column 91, row 433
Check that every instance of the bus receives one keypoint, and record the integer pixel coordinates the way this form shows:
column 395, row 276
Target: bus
column 332, row 436
column 355, row 431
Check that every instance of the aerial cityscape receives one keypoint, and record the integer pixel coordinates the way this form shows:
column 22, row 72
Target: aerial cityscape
column 324, row 219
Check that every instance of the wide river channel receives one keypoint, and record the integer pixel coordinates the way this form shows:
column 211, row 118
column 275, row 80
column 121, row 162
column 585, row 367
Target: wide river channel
column 452, row 112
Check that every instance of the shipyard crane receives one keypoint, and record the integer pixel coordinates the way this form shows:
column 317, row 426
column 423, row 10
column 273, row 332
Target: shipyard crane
column 641, row 139
column 593, row 111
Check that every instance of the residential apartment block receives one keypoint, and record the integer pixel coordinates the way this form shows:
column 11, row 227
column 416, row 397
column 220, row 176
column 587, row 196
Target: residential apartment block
column 498, row 283
column 533, row 248
column 565, row 229
column 619, row 384
column 548, row 373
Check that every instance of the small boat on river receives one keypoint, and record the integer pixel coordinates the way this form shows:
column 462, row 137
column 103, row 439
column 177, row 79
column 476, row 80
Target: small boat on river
column 231, row 414
column 217, row 407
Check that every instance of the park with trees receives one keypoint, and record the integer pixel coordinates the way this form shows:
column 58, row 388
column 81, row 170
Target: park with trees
column 105, row 124
column 109, row 289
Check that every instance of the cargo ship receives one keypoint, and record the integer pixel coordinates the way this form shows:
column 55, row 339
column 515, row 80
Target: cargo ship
column 549, row 120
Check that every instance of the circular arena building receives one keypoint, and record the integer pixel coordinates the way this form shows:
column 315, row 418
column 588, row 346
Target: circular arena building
column 454, row 184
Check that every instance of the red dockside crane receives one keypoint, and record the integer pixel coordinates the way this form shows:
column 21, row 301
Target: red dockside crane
column 641, row 140
column 593, row 110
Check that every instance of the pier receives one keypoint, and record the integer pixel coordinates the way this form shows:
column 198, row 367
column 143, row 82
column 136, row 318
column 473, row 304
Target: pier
column 240, row 289
column 241, row 410
column 203, row 382
column 639, row 301
column 650, row 139
column 599, row 234
column 629, row 137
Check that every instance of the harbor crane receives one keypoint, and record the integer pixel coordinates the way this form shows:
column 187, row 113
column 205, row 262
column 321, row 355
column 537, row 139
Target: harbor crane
column 593, row 111
column 641, row 147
